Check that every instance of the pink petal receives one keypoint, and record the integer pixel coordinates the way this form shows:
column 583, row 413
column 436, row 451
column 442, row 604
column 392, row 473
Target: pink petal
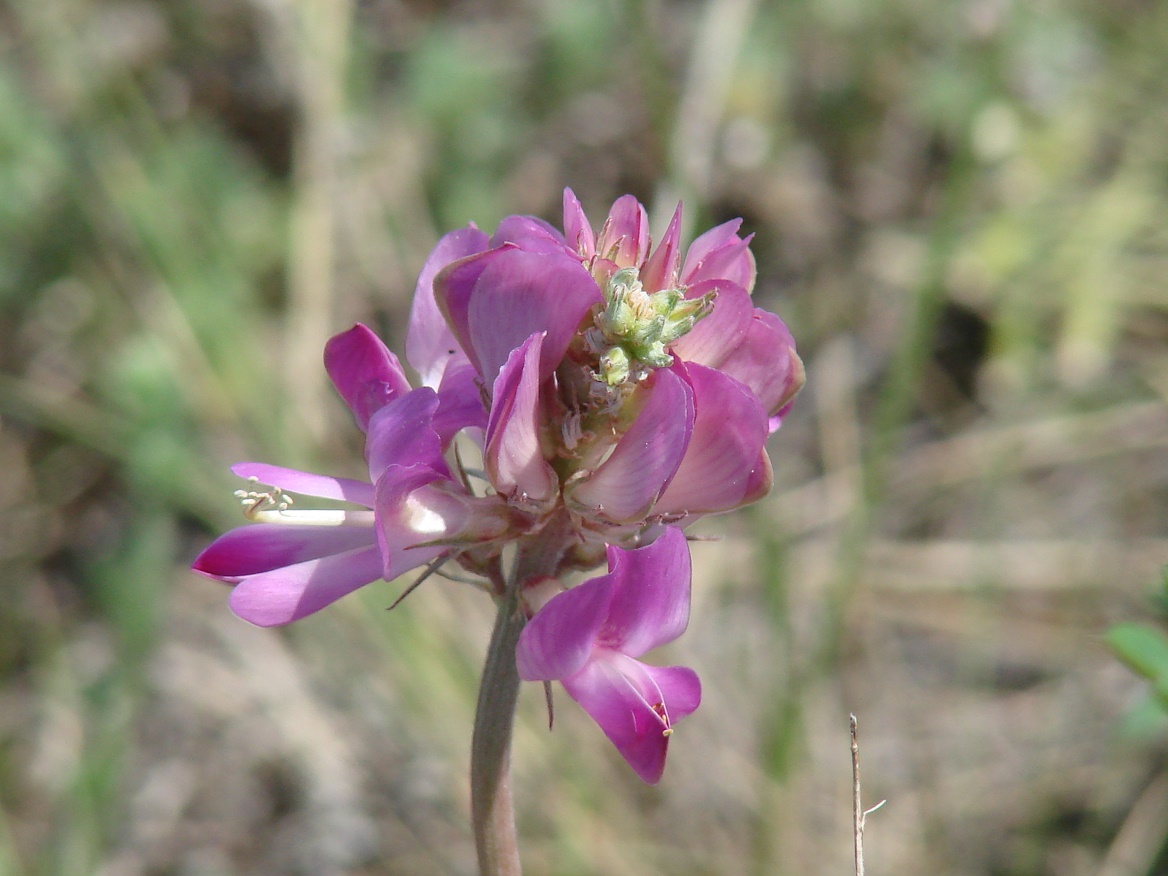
column 716, row 335
column 661, row 270
column 321, row 486
column 625, row 236
column 400, row 521
column 420, row 516
column 720, row 468
column 762, row 476
column 646, row 457
column 429, row 342
column 715, row 238
column 514, row 457
column 402, row 561
column 519, row 293
column 635, row 705
column 402, row 433
column 364, row 371
column 766, row 361
column 454, row 287
column 290, row 593
column 261, row 547
column 533, row 232
column 650, row 599
column 460, row 401
column 577, row 230
column 558, row 641
column 720, row 254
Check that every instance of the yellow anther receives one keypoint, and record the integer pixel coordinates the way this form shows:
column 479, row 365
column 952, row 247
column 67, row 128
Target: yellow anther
column 659, row 710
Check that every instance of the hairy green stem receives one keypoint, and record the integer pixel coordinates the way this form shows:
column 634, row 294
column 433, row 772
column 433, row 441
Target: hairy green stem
column 492, row 809
column 491, row 805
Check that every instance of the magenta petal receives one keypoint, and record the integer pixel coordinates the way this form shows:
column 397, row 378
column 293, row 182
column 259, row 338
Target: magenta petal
column 625, row 236
column 513, row 457
column 364, row 371
column 661, row 269
column 680, row 689
column 650, row 601
column 519, row 293
column 531, row 231
column 261, row 547
column 429, row 342
column 290, row 593
column 321, row 486
column 410, row 512
column 401, row 521
column 645, row 459
column 720, row 254
column 402, row 433
column 635, row 705
column 762, row 476
column 716, row 335
column 460, row 401
column 734, row 262
column 766, row 361
column 719, row 470
column 401, row 561
column 453, row 289
column 577, row 231
column 558, row 641
column 715, row 238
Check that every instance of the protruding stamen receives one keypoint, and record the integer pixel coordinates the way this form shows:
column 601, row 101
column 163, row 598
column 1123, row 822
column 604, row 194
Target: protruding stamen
column 256, row 503
column 272, row 506
column 659, row 709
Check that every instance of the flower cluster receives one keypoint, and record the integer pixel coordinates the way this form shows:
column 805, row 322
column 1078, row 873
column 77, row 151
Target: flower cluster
column 615, row 390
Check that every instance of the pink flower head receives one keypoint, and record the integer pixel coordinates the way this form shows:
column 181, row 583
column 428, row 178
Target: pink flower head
column 713, row 375
column 634, row 384
column 608, row 382
column 589, row 638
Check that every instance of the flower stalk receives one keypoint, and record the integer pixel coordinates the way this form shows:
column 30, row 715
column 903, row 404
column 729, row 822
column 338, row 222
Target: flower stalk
column 492, row 807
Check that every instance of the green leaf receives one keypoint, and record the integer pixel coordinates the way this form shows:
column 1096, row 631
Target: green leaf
column 1143, row 648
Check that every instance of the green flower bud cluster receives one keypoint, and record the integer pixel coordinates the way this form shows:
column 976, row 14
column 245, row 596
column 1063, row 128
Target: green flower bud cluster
column 635, row 327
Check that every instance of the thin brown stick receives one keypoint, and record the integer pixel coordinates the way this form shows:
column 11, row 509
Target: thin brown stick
column 859, row 814
column 857, row 806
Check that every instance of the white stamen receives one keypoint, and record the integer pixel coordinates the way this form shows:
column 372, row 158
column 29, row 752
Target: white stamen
column 272, row 506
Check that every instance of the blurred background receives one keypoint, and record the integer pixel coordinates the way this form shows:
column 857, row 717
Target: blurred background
column 959, row 208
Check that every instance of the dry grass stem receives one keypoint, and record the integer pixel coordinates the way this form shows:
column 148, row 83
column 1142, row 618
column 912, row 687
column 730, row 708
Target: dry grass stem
column 322, row 38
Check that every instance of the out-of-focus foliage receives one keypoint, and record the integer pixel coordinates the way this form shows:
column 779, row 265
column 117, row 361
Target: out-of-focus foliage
column 1145, row 649
column 958, row 207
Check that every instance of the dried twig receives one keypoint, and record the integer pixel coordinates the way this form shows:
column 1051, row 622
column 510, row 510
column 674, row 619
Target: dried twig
column 859, row 814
